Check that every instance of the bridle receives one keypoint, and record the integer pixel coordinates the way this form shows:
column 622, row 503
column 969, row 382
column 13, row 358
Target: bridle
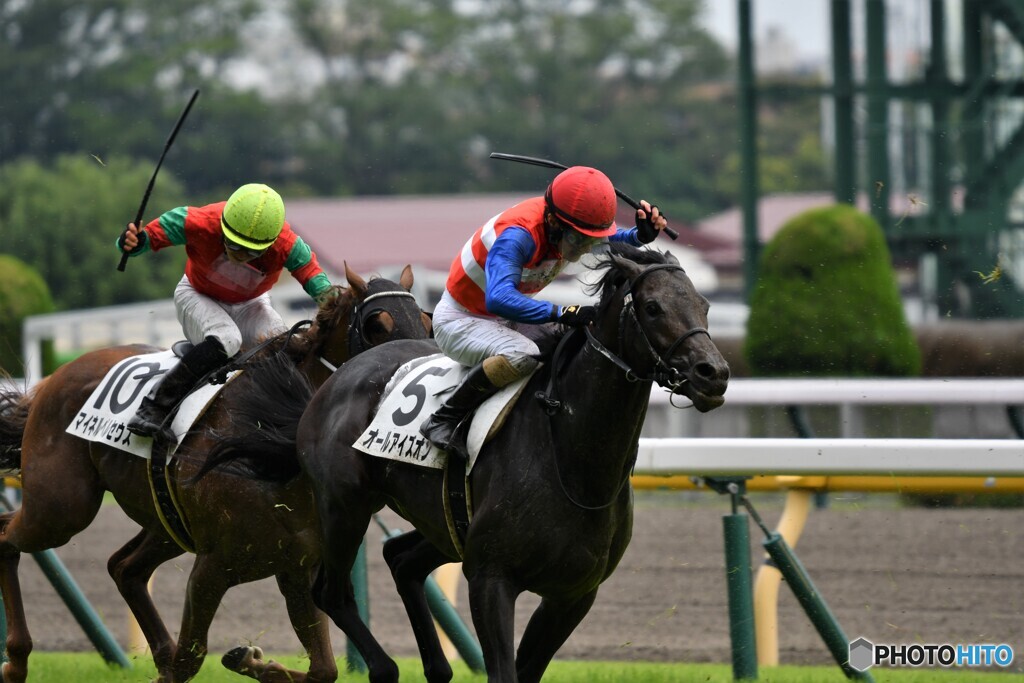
column 362, row 313
column 662, row 373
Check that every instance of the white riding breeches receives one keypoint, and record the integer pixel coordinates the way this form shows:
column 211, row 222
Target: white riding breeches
column 231, row 324
column 470, row 338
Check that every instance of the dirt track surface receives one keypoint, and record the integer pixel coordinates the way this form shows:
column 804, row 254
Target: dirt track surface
column 891, row 575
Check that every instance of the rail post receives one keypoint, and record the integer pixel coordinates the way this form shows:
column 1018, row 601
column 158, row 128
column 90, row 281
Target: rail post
column 359, row 576
column 738, row 578
column 814, row 605
column 72, row 595
column 446, row 616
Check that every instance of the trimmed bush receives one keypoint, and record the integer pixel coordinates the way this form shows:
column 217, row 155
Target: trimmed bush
column 23, row 292
column 826, row 302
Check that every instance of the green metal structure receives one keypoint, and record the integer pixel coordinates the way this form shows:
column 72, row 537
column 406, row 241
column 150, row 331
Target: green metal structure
column 961, row 144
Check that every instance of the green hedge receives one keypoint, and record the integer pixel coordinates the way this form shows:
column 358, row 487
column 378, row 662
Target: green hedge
column 23, row 292
column 826, row 302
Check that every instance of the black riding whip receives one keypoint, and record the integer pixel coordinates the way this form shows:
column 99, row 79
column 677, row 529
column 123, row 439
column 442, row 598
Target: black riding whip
column 152, row 181
column 534, row 161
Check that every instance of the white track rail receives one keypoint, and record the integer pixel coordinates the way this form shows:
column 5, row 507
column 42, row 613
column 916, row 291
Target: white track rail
column 831, row 457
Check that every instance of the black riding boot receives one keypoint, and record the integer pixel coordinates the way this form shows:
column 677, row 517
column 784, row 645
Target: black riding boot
column 177, row 383
column 442, row 428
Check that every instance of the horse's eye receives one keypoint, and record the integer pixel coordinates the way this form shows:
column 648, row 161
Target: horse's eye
column 652, row 308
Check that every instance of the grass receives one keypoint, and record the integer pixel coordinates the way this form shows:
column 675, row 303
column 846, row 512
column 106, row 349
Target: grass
column 59, row 667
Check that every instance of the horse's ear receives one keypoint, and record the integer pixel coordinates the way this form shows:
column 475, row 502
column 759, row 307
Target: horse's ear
column 356, row 283
column 406, row 279
column 630, row 269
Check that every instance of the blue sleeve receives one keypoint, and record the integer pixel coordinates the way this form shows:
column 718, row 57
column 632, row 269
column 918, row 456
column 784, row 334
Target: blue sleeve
column 505, row 261
column 627, row 235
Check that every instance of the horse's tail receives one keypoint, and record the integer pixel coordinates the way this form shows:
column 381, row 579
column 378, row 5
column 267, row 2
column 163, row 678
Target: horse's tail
column 14, row 408
column 269, row 398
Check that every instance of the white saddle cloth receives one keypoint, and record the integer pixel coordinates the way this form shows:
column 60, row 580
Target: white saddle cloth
column 417, row 389
column 104, row 416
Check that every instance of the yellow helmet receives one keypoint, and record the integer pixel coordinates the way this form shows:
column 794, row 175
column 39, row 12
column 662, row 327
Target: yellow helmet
column 253, row 216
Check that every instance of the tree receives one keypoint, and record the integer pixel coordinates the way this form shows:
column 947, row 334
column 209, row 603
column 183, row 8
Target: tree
column 106, row 77
column 418, row 94
column 826, row 301
column 22, row 293
column 64, row 221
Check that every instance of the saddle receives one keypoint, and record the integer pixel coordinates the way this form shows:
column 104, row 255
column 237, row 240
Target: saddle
column 418, row 388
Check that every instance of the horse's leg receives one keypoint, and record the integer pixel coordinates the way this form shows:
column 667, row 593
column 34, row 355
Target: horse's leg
column 19, row 641
column 492, row 602
column 343, row 530
column 310, row 625
column 549, row 627
column 50, row 515
column 131, row 568
column 207, row 584
column 411, row 559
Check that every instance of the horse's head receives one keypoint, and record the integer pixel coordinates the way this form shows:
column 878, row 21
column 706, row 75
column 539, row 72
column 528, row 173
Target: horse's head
column 656, row 320
column 367, row 314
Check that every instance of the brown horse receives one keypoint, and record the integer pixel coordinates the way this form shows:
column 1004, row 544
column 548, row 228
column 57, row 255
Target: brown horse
column 243, row 530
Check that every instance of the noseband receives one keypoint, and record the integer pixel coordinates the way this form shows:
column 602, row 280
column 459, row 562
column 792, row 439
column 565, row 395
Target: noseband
column 663, row 373
column 362, row 313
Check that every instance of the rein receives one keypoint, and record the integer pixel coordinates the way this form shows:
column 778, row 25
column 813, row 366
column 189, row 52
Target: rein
column 219, row 376
column 664, row 374
column 361, row 313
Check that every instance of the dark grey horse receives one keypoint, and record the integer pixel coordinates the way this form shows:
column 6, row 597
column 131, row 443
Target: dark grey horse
column 552, row 505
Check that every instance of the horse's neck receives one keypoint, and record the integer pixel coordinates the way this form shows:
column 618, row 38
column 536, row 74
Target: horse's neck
column 597, row 432
column 316, row 370
column 327, row 356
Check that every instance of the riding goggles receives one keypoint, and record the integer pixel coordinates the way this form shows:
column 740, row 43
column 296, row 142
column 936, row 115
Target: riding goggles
column 238, row 248
column 578, row 241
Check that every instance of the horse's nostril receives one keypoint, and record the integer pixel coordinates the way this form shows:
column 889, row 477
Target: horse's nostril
column 705, row 370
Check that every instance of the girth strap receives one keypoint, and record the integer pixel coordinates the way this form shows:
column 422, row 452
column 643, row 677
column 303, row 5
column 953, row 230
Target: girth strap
column 456, row 499
column 166, row 502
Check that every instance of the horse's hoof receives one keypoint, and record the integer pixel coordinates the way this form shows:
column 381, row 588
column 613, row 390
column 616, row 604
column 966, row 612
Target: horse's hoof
column 242, row 658
column 10, row 674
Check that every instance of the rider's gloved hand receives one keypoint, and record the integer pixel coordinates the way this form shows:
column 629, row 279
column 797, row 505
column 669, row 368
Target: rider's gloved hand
column 576, row 316
column 648, row 224
column 133, row 239
column 327, row 297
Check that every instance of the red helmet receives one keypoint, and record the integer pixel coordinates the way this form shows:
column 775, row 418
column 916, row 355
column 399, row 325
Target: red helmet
column 584, row 198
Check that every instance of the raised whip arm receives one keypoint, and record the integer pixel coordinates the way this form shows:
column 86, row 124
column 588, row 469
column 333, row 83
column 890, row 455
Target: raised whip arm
column 152, row 181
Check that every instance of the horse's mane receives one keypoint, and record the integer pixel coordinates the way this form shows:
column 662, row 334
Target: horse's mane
column 615, row 274
column 311, row 340
column 271, row 396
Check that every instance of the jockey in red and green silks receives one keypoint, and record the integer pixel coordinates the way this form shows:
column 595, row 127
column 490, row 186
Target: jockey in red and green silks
column 236, row 251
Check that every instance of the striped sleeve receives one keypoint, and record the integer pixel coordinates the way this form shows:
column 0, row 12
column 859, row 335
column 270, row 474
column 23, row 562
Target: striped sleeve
column 305, row 268
column 168, row 230
column 165, row 231
column 504, row 265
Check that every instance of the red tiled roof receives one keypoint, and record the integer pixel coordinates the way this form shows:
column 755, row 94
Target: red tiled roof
column 371, row 232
